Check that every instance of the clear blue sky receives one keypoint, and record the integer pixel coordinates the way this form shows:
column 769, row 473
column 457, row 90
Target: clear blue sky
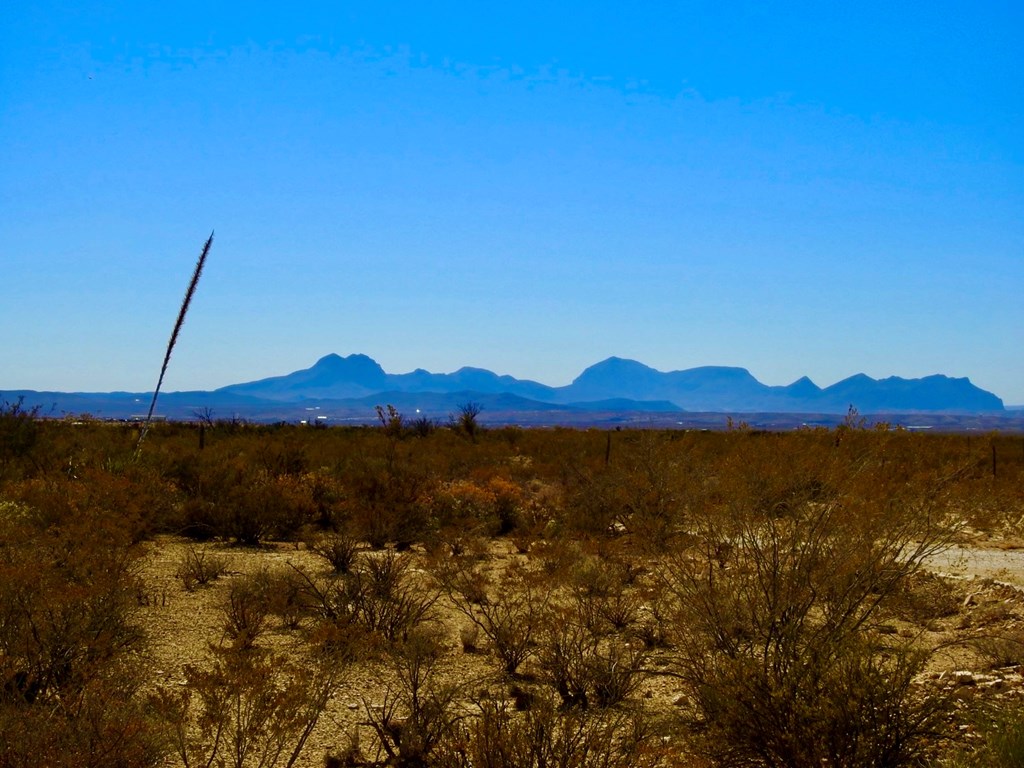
column 795, row 188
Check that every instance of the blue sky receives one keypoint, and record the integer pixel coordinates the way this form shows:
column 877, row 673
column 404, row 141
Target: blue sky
column 798, row 189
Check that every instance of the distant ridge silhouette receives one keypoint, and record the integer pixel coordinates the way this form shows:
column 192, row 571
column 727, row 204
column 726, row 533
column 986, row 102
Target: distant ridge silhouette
column 624, row 382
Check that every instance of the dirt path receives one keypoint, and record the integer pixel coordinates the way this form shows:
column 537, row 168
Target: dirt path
column 1003, row 565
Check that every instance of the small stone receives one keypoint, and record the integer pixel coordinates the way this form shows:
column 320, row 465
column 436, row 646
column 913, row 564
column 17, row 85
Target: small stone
column 963, row 677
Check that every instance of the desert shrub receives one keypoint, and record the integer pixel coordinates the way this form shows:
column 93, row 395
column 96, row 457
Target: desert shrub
column 655, row 615
column 544, row 735
column 779, row 602
column 134, row 501
column 996, row 728
column 133, row 494
column 422, row 426
column 620, row 610
column 333, row 630
column 245, row 609
column 614, row 672
column 391, row 420
column 385, row 504
column 287, row 596
column 466, row 420
column 583, row 669
column 461, row 509
column 510, row 612
column 198, row 519
column 419, row 711
column 461, row 579
column 248, row 709
column 326, row 495
column 1004, row 747
column 105, row 724
column 592, row 502
column 1003, row 648
column 283, row 456
column 925, row 597
column 380, row 595
column 247, row 515
column 469, row 637
column 198, row 567
column 326, row 600
column 19, row 431
column 508, row 500
column 785, row 565
column 640, row 492
column 206, row 482
column 1004, row 740
column 559, row 556
column 67, row 597
column 69, row 645
column 603, row 600
column 386, row 597
column 564, row 654
column 338, row 549
column 265, row 506
column 236, row 497
column 653, row 472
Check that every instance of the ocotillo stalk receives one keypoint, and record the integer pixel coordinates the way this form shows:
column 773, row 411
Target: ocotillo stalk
column 174, row 336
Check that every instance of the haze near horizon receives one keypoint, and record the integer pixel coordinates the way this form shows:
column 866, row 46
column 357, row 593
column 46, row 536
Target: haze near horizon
column 809, row 191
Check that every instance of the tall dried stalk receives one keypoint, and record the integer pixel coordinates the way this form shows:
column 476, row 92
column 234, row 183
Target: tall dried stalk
column 174, row 336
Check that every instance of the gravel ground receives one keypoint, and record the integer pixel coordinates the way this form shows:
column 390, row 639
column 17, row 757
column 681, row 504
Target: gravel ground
column 988, row 595
column 1004, row 565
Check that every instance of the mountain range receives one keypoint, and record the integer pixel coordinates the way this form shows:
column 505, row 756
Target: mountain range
column 622, row 384
column 616, row 390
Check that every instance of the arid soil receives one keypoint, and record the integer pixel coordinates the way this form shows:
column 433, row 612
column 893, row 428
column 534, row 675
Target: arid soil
column 183, row 626
column 973, row 597
column 982, row 561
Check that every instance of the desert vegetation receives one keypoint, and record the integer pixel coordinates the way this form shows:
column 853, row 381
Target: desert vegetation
column 415, row 594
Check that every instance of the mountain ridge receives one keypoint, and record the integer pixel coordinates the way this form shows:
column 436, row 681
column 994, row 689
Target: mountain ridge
column 621, row 381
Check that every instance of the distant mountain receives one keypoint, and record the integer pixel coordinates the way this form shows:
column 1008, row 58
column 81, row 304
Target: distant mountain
column 932, row 393
column 620, row 384
column 708, row 388
column 612, row 392
column 332, row 377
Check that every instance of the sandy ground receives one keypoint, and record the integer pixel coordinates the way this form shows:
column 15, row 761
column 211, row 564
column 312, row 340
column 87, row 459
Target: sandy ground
column 982, row 562
column 986, row 596
column 182, row 626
